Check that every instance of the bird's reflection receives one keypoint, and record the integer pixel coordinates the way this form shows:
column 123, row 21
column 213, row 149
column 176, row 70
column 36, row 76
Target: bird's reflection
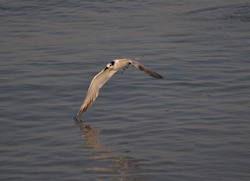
column 119, row 167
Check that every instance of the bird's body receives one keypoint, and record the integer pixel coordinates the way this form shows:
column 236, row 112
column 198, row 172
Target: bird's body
column 101, row 78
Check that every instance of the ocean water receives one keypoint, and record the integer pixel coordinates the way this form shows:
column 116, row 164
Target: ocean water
column 192, row 125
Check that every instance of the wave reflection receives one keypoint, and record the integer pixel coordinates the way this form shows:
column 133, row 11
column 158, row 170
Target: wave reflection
column 119, row 167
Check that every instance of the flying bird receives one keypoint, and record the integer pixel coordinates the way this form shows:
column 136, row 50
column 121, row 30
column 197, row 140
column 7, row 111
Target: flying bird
column 100, row 79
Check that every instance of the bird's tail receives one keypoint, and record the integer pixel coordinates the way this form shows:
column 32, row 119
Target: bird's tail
column 138, row 59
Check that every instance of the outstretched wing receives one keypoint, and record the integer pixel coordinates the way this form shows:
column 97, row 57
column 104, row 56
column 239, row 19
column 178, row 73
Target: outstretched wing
column 146, row 70
column 98, row 81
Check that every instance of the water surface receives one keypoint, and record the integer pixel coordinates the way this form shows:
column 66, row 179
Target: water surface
column 192, row 125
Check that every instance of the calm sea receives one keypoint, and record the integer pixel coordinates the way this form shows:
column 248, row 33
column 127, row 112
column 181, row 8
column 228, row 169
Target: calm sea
column 192, row 125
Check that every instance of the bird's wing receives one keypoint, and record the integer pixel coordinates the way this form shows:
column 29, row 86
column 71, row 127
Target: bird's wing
column 146, row 70
column 98, row 81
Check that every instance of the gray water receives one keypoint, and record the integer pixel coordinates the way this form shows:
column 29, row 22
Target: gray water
column 192, row 125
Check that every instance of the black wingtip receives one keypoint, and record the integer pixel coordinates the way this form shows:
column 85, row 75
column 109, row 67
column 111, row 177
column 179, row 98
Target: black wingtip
column 160, row 77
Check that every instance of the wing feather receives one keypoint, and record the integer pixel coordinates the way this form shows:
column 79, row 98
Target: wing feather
column 146, row 70
column 98, row 81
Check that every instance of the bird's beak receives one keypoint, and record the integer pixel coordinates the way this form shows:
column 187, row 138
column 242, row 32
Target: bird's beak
column 105, row 68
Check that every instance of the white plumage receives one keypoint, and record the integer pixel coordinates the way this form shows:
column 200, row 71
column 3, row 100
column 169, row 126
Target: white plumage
column 100, row 79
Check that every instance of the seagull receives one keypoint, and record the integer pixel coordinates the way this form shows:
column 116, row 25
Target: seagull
column 101, row 78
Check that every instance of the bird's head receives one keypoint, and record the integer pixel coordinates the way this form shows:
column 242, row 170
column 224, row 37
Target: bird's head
column 110, row 65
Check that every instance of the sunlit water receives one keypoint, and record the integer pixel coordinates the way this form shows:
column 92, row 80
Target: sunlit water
column 192, row 125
